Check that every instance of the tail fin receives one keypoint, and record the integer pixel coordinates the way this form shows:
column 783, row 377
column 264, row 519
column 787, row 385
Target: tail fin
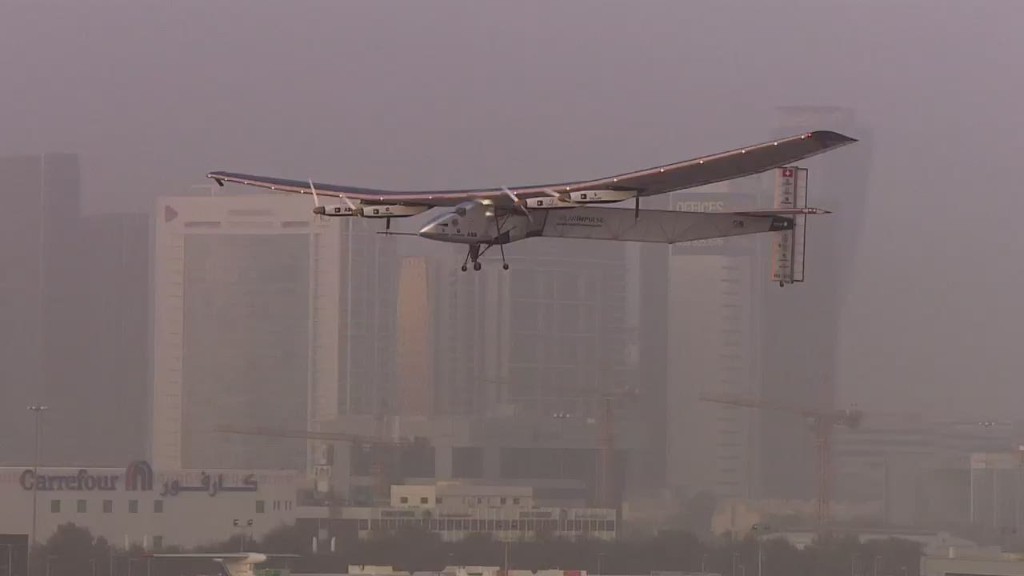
column 789, row 247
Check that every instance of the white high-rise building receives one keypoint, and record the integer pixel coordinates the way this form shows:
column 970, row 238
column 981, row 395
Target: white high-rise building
column 711, row 348
column 246, row 328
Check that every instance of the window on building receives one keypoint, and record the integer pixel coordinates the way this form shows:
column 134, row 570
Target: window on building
column 81, row 507
column 260, row 506
column 55, row 506
column 158, row 541
column 424, row 500
column 158, row 506
column 404, row 499
column 108, row 506
column 504, row 500
column 133, row 506
column 515, row 500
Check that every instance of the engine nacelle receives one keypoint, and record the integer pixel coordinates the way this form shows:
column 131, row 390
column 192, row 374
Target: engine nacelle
column 391, row 210
column 600, row 196
column 335, row 211
column 570, row 199
column 370, row 210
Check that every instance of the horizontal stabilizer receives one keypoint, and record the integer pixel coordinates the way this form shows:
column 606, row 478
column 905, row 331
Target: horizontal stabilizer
column 785, row 212
column 657, row 226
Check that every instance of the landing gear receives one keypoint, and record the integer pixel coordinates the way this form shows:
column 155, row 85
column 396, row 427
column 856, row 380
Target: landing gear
column 474, row 253
column 501, row 246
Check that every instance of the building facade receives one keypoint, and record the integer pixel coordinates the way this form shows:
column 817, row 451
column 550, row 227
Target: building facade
column 712, row 348
column 455, row 511
column 106, row 407
column 997, row 491
column 367, row 322
column 39, row 226
column 139, row 506
column 246, row 329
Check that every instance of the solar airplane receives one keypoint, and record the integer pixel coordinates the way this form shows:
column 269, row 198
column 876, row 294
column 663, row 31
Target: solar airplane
column 230, row 563
column 484, row 218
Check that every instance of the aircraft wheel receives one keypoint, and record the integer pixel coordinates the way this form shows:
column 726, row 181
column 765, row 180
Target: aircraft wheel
column 477, row 266
column 505, row 266
column 464, row 268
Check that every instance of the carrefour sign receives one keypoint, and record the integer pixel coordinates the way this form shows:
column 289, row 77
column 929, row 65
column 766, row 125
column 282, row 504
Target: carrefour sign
column 137, row 476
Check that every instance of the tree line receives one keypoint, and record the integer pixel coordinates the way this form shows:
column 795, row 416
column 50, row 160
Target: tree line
column 73, row 551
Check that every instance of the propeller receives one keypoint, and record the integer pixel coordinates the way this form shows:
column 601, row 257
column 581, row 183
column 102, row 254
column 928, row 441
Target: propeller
column 521, row 204
column 318, row 209
column 559, row 197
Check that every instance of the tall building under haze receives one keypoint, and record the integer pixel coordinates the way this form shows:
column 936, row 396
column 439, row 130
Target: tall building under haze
column 800, row 323
column 414, row 352
column 546, row 337
column 73, row 296
column 108, row 424
column 246, row 329
column 712, row 339
column 38, row 231
column 546, row 342
column 368, row 319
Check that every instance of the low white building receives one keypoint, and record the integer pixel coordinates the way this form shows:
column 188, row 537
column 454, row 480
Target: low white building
column 455, row 510
column 136, row 505
column 957, row 562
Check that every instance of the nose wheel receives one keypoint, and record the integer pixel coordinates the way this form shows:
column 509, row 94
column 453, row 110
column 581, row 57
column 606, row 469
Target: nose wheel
column 472, row 254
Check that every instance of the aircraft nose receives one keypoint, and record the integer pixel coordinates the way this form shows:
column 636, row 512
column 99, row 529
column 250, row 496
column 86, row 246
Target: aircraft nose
column 430, row 231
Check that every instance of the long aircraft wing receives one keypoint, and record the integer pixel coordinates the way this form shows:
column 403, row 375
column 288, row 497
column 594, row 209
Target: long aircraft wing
column 648, row 182
column 210, row 556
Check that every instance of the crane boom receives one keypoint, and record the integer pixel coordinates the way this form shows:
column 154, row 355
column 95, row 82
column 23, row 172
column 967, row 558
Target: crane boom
column 308, row 435
column 822, row 423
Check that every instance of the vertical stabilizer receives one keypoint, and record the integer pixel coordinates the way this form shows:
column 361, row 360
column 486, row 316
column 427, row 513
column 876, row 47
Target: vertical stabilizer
column 788, row 249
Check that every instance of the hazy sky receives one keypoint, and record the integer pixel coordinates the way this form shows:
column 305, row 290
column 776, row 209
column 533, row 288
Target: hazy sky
column 427, row 94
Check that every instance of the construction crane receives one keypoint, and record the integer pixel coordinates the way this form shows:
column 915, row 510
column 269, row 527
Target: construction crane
column 822, row 423
column 606, row 443
column 377, row 465
column 604, row 491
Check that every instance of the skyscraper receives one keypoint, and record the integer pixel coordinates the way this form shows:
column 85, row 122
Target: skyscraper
column 38, row 230
column 800, row 323
column 414, row 353
column 368, row 318
column 712, row 347
column 246, row 328
column 109, row 385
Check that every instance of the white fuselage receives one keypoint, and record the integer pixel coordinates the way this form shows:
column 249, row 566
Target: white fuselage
column 475, row 223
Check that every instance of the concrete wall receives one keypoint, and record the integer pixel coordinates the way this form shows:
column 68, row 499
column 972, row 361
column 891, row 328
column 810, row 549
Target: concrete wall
column 999, row 566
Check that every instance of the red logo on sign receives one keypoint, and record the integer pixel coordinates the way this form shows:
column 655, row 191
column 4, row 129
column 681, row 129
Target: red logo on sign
column 787, row 172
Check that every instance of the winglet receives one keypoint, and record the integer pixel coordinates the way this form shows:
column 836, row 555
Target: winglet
column 831, row 138
column 216, row 178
